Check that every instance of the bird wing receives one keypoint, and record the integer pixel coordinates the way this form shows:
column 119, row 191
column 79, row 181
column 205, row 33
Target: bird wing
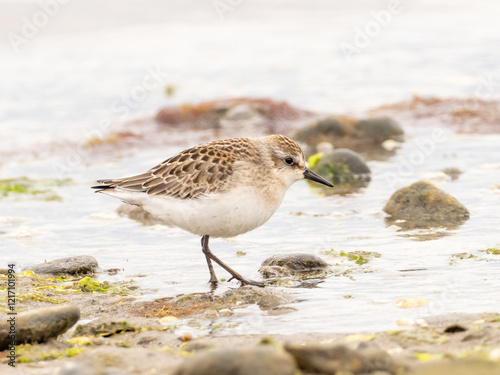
column 190, row 174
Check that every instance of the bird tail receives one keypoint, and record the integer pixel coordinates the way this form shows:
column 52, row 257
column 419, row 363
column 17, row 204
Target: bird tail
column 106, row 184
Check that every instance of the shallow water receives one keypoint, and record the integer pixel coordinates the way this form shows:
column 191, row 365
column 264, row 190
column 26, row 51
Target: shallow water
column 69, row 83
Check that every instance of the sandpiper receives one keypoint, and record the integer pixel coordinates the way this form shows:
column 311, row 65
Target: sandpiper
column 219, row 189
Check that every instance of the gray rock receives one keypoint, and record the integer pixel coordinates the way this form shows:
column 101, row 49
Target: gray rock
column 245, row 361
column 283, row 265
column 324, row 130
column 424, row 205
column 359, row 135
column 38, row 325
column 380, row 129
column 454, row 173
column 78, row 265
column 323, row 359
column 328, row 359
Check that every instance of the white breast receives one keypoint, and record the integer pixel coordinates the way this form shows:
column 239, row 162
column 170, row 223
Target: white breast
column 226, row 215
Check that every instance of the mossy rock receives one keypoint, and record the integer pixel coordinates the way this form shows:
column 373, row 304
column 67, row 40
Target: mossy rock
column 342, row 167
column 104, row 329
column 284, row 265
column 424, row 205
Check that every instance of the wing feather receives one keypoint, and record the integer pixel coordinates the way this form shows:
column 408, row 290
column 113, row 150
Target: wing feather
column 192, row 173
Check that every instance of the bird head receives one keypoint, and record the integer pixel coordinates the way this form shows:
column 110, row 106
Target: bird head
column 289, row 162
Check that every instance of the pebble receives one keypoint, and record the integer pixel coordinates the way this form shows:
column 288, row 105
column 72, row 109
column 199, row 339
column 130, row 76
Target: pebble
column 79, row 265
column 39, row 325
column 240, row 361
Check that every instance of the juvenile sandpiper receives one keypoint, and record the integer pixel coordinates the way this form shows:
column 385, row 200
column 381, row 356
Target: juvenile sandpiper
column 219, row 189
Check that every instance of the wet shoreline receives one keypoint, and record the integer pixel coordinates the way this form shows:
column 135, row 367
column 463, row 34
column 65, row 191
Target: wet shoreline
column 176, row 333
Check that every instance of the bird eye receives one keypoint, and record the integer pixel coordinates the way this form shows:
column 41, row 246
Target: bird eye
column 289, row 161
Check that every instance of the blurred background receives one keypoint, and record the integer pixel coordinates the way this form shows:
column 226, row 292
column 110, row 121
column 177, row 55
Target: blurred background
column 69, row 63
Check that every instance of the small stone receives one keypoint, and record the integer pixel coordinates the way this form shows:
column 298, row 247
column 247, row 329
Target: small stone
column 78, row 265
column 332, row 359
column 323, row 359
column 455, row 328
column 283, row 265
column 39, row 325
column 187, row 337
column 454, row 173
column 424, row 205
column 246, row 361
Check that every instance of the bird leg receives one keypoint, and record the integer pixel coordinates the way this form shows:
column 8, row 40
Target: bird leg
column 206, row 251
column 235, row 275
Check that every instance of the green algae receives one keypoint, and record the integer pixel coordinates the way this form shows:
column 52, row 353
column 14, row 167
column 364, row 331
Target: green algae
column 494, row 251
column 51, row 355
column 313, row 160
column 36, row 297
column 338, row 173
column 426, row 357
column 359, row 257
column 108, row 329
column 481, row 256
column 89, row 285
column 80, row 340
column 35, row 189
column 71, row 352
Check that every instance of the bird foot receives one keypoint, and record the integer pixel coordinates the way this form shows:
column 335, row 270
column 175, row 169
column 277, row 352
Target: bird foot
column 245, row 281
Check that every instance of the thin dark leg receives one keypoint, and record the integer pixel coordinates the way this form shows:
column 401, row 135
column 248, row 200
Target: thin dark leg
column 235, row 275
column 204, row 247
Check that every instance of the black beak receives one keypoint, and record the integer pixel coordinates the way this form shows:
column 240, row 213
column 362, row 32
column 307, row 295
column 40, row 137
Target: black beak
column 310, row 175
